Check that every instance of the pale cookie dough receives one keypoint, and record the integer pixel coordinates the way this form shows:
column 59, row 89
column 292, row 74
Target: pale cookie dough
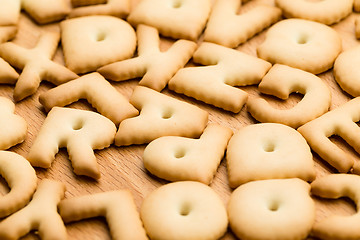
column 13, row 128
column 117, row 8
column 340, row 121
column 94, row 41
column 347, row 72
column 118, row 207
column 156, row 67
column 268, row 150
column 184, row 210
column 40, row 214
column 216, row 84
column 272, row 210
column 335, row 186
column 304, row 44
column 10, row 12
column 36, row 64
column 180, row 159
column 80, row 132
column 173, row 18
column 97, row 91
column 281, row 81
column 160, row 115
column 227, row 28
column 324, row 11
column 21, row 179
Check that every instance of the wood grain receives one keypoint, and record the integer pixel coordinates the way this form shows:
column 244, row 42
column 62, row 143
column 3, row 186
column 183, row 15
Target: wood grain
column 122, row 167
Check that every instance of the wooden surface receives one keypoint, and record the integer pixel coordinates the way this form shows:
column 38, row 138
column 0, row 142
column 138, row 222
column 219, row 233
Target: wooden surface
column 122, row 167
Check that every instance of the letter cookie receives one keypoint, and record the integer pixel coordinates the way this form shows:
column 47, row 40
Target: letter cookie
column 117, row 207
column 268, row 150
column 282, row 80
column 357, row 27
column 155, row 67
column 80, row 132
column 160, row 115
column 272, row 209
column 43, row 12
column 335, row 186
column 341, row 122
column 99, row 93
column 173, row 18
column 346, row 71
column 117, row 8
column 40, row 214
column 36, row 64
column 179, row 159
column 325, row 11
column 227, row 28
column 215, row 84
column 7, row 33
column 13, row 128
column 93, row 41
column 303, row 44
column 79, row 3
column 20, row 177
column 357, row 5
column 9, row 12
column 184, row 210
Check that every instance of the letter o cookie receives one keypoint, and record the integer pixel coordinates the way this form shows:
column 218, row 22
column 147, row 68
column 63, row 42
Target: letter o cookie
column 303, row 44
column 184, row 210
column 272, row 210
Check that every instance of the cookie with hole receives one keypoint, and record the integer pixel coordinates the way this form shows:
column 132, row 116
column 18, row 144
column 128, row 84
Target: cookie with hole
column 184, row 210
column 272, row 209
column 327, row 12
column 187, row 159
column 90, row 42
column 80, row 131
column 268, row 151
column 160, row 115
column 303, row 44
column 185, row 19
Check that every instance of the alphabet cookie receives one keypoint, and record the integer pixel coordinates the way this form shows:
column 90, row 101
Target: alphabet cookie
column 80, row 132
column 7, row 33
column 117, row 207
column 267, row 151
column 272, row 209
column 40, row 214
column 13, row 128
column 184, row 210
column 9, row 12
column 227, row 28
column 8, row 75
column 327, row 12
column 334, row 186
column 215, row 84
column 154, row 66
column 97, row 91
column 177, row 19
column 117, row 8
column 94, row 41
column 299, row 43
column 20, row 177
column 79, row 3
column 160, row 115
column 180, row 159
column 346, row 71
column 341, row 122
column 281, row 81
column 36, row 64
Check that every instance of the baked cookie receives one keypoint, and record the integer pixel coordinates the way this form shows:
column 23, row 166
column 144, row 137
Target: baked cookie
column 303, row 44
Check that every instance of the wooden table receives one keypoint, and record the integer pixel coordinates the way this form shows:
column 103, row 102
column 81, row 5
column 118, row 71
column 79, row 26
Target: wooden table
column 122, row 167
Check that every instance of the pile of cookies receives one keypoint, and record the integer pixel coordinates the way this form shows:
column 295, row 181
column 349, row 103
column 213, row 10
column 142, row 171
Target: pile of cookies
column 179, row 119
